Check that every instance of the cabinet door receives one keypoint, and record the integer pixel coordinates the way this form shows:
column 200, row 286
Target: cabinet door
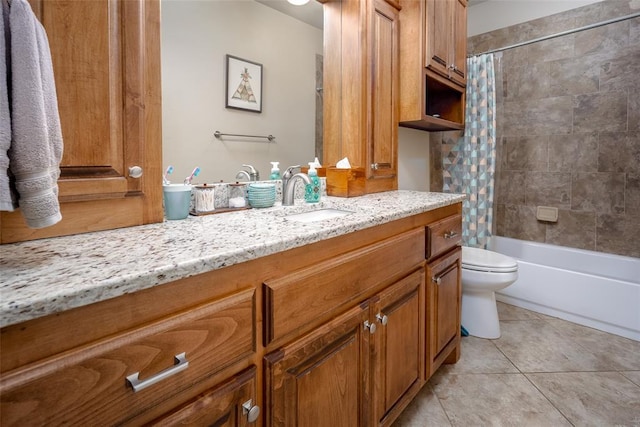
column 399, row 346
column 438, row 34
column 444, row 299
column 321, row 379
column 459, row 43
column 231, row 404
column 382, row 150
column 105, row 56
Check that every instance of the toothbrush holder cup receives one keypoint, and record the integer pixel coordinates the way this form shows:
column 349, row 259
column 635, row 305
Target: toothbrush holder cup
column 177, row 200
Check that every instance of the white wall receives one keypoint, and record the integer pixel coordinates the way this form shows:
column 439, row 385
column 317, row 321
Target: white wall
column 494, row 14
column 196, row 36
column 413, row 159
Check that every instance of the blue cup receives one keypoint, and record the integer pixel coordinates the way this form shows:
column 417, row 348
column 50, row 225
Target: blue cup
column 177, row 200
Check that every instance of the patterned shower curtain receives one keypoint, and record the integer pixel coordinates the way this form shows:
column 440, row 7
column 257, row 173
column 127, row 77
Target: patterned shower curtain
column 469, row 165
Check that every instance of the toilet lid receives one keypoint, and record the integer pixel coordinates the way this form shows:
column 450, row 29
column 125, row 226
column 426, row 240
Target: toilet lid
column 484, row 260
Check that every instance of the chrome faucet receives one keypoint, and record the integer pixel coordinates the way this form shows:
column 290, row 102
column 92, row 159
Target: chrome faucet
column 251, row 175
column 289, row 184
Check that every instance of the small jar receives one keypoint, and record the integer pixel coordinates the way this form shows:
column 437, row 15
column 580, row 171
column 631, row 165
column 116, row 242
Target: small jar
column 237, row 195
column 204, row 200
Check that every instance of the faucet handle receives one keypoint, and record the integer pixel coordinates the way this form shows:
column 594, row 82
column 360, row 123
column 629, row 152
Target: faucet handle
column 287, row 173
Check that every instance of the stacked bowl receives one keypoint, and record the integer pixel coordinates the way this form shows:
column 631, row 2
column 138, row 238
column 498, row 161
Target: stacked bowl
column 261, row 195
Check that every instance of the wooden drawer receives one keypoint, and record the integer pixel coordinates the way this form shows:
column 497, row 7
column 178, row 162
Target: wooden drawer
column 220, row 406
column 312, row 294
column 89, row 385
column 443, row 235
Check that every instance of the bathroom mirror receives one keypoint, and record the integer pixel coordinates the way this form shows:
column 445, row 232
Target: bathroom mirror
column 196, row 37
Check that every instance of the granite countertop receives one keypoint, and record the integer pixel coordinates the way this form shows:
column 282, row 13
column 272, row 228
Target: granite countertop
column 47, row 276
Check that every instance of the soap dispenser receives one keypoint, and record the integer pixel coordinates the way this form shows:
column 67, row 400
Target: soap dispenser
column 275, row 171
column 313, row 190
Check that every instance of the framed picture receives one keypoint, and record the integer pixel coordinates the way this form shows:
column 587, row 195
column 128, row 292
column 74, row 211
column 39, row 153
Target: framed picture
column 244, row 84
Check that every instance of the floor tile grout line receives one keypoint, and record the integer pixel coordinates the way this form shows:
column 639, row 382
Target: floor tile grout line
column 441, row 405
column 547, row 399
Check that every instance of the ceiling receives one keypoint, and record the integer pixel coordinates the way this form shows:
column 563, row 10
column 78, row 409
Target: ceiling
column 311, row 13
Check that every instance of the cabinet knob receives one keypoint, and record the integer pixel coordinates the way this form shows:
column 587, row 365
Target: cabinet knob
column 374, row 166
column 382, row 318
column 436, row 279
column 135, row 171
column 250, row 410
column 370, row 326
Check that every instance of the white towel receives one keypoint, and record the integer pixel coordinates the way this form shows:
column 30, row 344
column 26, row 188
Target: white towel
column 36, row 147
column 8, row 197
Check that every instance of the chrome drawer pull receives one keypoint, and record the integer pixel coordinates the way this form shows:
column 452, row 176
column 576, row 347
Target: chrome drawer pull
column 450, row 235
column 436, row 279
column 181, row 364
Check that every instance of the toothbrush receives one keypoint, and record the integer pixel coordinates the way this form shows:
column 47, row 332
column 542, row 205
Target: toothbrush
column 195, row 173
column 169, row 171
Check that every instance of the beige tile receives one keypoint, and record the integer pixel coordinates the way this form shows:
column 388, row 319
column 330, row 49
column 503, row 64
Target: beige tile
column 536, row 346
column 610, row 230
column 592, row 398
column 511, row 312
column 602, row 192
column 509, row 185
column 526, row 153
column 424, row 411
column 519, row 222
column 573, row 229
column 548, row 189
column 479, row 356
column 573, row 153
column 618, row 352
column 494, row 400
column 619, row 152
column 604, row 112
column 634, row 376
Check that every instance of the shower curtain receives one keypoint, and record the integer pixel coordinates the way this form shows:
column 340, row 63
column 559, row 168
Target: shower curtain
column 469, row 165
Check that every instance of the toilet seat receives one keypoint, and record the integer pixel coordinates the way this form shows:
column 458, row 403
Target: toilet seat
column 487, row 261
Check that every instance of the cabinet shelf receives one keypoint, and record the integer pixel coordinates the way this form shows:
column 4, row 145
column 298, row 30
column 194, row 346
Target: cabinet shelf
column 443, row 107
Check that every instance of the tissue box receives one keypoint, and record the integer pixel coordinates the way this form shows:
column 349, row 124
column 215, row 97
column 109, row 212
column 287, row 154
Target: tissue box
column 345, row 182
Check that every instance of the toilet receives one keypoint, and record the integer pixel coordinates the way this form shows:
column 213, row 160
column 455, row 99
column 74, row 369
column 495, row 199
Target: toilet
column 483, row 273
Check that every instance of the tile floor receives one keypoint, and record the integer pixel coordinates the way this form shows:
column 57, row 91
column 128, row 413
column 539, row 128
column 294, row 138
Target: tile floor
column 542, row 371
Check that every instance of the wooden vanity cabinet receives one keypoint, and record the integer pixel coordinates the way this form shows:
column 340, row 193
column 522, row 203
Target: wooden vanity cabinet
column 117, row 377
column 106, row 62
column 363, row 366
column 344, row 331
column 444, row 291
column 433, row 53
column 230, row 404
column 322, row 378
column 399, row 347
column 361, row 88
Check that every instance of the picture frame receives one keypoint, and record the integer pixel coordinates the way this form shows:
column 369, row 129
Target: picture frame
column 243, row 87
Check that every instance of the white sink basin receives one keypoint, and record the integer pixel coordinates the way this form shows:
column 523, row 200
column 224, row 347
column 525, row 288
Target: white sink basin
column 318, row 215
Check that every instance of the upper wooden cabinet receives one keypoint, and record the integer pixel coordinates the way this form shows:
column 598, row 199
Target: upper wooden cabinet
column 106, row 61
column 361, row 88
column 446, row 46
column 433, row 53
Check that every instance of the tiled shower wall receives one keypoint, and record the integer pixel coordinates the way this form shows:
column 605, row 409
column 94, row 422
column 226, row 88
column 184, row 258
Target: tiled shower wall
column 568, row 130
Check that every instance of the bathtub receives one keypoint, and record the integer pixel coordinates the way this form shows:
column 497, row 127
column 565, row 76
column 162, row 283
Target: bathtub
column 594, row 289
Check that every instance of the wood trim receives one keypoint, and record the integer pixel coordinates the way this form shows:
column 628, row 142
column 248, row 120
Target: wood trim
column 77, row 217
